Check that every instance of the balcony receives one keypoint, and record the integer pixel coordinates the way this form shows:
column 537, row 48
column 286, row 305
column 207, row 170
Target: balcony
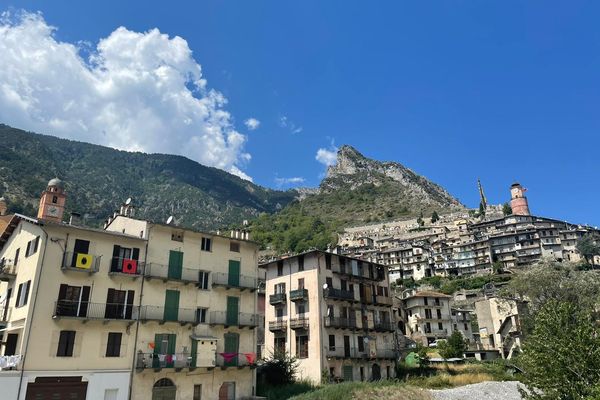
column 241, row 320
column 240, row 282
column 338, row 294
column 177, row 361
column 126, row 267
column 279, row 325
column 383, row 300
column 299, row 295
column 182, row 316
column 341, row 352
column 8, row 271
column 98, row 311
column 383, row 326
column 299, row 323
column 5, row 315
column 239, row 361
column 340, row 323
column 386, row 354
column 169, row 273
column 80, row 262
column 277, row 299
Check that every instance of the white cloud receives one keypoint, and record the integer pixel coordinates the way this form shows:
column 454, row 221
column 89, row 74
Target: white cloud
column 284, row 122
column 252, row 123
column 327, row 157
column 135, row 91
column 289, row 181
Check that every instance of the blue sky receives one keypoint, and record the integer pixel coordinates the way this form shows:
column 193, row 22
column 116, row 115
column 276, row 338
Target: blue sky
column 454, row 90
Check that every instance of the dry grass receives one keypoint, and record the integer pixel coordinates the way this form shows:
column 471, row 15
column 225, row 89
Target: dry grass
column 392, row 393
column 469, row 378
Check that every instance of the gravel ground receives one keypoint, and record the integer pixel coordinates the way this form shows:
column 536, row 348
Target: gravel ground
column 480, row 391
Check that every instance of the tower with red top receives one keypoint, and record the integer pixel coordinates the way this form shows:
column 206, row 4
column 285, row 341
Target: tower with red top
column 518, row 201
column 52, row 203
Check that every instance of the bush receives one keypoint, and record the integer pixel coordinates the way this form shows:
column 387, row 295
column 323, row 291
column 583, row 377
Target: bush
column 277, row 370
column 454, row 346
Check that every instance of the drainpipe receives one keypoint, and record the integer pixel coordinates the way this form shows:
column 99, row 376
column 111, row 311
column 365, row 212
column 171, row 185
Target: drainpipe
column 137, row 322
column 30, row 320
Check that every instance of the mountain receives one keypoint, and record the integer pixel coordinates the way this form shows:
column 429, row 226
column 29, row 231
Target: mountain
column 98, row 179
column 356, row 190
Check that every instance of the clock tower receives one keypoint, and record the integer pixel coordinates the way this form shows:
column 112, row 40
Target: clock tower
column 52, row 203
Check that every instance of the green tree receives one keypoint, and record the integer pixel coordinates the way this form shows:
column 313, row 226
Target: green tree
column 422, row 354
column 420, row 219
column 454, row 346
column 434, row 217
column 506, row 209
column 589, row 246
column 561, row 357
column 279, row 369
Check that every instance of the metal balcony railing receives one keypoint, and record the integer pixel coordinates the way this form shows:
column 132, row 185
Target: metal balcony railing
column 126, row 266
column 338, row 294
column 341, row 352
column 162, row 314
column 229, row 319
column 234, row 281
column 5, row 314
column 339, row 322
column 277, row 298
column 299, row 323
column 384, row 300
column 239, row 361
column 383, row 326
column 102, row 311
column 80, row 262
column 278, row 325
column 299, row 295
column 159, row 361
column 166, row 273
column 8, row 271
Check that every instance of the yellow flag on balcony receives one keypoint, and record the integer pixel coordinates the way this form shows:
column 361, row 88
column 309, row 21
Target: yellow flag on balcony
column 83, row 261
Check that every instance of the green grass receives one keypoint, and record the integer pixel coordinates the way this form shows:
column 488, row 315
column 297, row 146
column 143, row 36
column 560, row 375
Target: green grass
column 390, row 390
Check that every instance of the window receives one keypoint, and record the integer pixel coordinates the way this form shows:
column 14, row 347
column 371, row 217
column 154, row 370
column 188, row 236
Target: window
column 279, row 288
column 203, row 280
column 17, row 256
column 32, row 246
column 331, row 342
column 66, row 343
column 328, row 261
column 302, row 346
column 23, row 294
column 73, row 300
column 201, row 315
column 280, row 268
column 54, row 199
column 206, row 246
column 279, row 344
column 113, row 345
column 234, row 246
column 301, row 283
column 439, row 314
column 437, row 301
column 466, row 326
column 301, row 262
column 329, row 282
column 177, row 236
column 425, row 300
column 361, row 343
column 198, row 388
column 427, row 313
column 300, row 309
column 279, row 312
column 440, row 326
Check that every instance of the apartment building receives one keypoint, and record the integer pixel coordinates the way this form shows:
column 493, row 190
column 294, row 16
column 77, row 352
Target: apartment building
column 428, row 315
column 332, row 312
column 138, row 309
column 461, row 322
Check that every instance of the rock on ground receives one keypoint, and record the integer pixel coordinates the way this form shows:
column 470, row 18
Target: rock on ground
column 480, row 391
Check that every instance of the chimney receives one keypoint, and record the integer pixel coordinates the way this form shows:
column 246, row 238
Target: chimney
column 3, row 206
column 75, row 219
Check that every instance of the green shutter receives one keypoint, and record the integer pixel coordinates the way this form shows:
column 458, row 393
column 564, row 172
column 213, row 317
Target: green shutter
column 347, row 373
column 234, row 273
column 232, row 310
column 194, row 352
column 171, row 339
column 231, row 346
column 175, row 264
column 171, row 305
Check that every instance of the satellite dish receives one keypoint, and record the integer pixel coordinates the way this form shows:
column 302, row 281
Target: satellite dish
column 169, row 220
column 128, row 201
column 325, row 286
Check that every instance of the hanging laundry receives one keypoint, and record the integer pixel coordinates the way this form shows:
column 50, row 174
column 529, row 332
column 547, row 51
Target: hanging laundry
column 250, row 357
column 228, row 357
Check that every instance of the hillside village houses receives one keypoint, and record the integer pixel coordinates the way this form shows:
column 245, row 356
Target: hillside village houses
column 136, row 310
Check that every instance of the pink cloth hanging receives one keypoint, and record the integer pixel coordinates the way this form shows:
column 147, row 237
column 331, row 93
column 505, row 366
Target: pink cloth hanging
column 250, row 357
column 228, row 356
column 169, row 358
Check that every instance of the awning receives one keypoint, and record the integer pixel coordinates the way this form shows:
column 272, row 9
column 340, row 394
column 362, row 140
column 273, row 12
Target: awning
column 202, row 337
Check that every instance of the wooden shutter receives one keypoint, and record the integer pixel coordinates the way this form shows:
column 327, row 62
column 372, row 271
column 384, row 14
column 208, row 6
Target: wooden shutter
column 114, row 265
column 85, row 298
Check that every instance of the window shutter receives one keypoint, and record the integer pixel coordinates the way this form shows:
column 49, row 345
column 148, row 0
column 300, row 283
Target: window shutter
column 85, row 298
column 114, row 264
column 62, row 292
column 26, row 295
column 135, row 254
column 18, row 302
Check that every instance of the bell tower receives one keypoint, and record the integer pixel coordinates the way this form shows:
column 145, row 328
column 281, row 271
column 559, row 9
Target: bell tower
column 518, row 201
column 52, row 203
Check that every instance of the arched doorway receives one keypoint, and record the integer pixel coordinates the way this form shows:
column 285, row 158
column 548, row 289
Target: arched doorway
column 376, row 372
column 164, row 389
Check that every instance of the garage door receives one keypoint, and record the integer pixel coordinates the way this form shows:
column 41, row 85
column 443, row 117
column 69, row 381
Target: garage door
column 57, row 388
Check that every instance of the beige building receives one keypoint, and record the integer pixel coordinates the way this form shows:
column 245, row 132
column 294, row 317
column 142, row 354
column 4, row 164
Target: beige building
column 428, row 314
column 138, row 310
column 333, row 313
column 499, row 324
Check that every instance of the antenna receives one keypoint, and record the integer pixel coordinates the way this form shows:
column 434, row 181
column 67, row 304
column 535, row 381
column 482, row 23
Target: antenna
column 128, row 201
column 169, row 220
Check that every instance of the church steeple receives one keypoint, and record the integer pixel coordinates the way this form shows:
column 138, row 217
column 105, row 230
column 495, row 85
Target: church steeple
column 52, row 203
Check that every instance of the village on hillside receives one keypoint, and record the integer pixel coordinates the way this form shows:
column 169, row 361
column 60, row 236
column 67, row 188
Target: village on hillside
column 160, row 309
